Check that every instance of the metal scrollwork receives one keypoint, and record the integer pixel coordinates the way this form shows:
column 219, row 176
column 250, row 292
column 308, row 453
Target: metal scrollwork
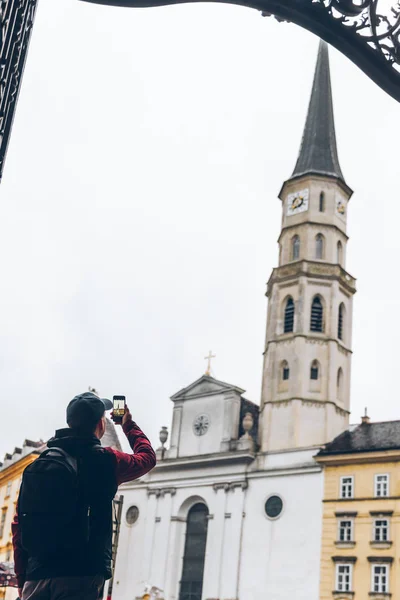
column 16, row 24
column 360, row 29
column 381, row 32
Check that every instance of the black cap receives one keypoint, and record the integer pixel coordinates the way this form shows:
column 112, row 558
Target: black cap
column 86, row 410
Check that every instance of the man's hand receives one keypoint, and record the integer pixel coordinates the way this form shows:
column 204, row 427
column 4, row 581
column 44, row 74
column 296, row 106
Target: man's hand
column 20, row 593
column 127, row 416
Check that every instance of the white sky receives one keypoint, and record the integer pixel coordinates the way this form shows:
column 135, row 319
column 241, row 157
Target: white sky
column 139, row 212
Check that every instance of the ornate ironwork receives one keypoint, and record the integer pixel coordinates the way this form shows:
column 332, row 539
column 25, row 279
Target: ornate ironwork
column 16, row 26
column 360, row 29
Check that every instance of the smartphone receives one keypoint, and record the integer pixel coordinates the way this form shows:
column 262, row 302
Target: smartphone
column 119, row 403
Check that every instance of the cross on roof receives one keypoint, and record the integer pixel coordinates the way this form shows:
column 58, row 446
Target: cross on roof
column 209, row 358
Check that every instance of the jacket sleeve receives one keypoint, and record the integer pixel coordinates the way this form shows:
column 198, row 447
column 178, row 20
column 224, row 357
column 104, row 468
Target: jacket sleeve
column 143, row 459
column 20, row 556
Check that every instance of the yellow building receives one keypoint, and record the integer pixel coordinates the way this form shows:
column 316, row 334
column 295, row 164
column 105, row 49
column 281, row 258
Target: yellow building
column 10, row 480
column 360, row 553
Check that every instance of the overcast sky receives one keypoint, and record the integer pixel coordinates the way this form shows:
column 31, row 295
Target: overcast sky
column 139, row 215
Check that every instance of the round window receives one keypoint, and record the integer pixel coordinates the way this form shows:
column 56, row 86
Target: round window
column 132, row 515
column 273, row 507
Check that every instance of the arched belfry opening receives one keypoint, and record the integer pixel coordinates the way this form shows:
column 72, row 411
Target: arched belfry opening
column 191, row 585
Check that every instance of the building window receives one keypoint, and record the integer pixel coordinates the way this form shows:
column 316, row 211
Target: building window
column 381, row 530
column 340, row 321
column 381, row 486
column 289, row 316
column 344, row 574
column 317, row 315
column 347, row 487
column 345, row 533
column 195, row 552
column 319, row 246
column 273, row 507
column 8, row 488
column 314, row 371
column 339, row 385
column 295, row 247
column 380, row 579
column 285, row 370
column 339, row 253
column 3, row 521
column 322, row 202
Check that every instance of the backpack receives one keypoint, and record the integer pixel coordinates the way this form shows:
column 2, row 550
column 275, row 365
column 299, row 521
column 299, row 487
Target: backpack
column 53, row 517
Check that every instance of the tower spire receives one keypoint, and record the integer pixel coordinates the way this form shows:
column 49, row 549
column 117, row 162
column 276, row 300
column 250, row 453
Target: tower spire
column 318, row 151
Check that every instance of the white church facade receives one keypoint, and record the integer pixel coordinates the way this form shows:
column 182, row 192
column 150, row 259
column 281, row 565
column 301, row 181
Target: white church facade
column 233, row 510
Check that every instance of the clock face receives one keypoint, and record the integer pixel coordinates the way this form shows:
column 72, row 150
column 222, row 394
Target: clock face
column 341, row 207
column 201, row 424
column 297, row 202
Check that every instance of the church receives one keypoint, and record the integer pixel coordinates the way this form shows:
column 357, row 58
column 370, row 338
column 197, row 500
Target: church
column 233, row 509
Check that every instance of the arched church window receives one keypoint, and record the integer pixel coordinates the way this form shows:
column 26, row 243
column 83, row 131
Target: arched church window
column 285, row 370
column 340, row 321
column 195, row 552
column 319, row 246
column 295, row 247
column 339, row 384
column 317, row 315
column 289, row 316
column 339, row 257
column 322, row 202
column 314, row 371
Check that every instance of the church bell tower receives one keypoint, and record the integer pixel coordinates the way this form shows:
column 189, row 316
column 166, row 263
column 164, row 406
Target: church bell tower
column 307, row 356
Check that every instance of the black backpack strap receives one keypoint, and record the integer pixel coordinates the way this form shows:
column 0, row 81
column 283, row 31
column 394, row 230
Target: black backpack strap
column 60, row 455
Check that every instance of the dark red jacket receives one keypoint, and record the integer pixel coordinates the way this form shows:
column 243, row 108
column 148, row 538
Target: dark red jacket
column 121, row 467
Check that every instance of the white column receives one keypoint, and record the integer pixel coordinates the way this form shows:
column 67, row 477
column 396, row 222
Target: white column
column 215, row 546
column 148, row 541
column 176, row 547
column 161, row 539
column 175, row 431
column 232, row 540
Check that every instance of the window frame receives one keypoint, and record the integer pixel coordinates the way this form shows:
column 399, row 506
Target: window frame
column 292, row 308
column 285, row 370
column 3, row 518
column 341, row 321
column 322, row 305
column 322, row 202
column 386, row 569
column 295, row 245
column 320, row 246
column 351, row 477
column 376, row 484
column 350, row 574
column 345, row 520
column 381, row 528
column 314, row 368
column 8, row 488
column 339, row 252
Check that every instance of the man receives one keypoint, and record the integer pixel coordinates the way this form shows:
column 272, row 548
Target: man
column 77, row 566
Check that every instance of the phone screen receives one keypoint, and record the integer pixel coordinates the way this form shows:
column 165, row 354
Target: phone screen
column 118, row 407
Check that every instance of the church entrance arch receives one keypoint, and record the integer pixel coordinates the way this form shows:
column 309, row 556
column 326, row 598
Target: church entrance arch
column 191, row 584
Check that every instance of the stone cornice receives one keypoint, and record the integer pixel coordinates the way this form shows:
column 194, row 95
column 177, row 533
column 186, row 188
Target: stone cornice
column 375, row 456
column 308, row 401
column 318, row 224
column 315, row 269
column 311, row 338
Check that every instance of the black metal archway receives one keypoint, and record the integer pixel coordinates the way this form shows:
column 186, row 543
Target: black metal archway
column 357, row 28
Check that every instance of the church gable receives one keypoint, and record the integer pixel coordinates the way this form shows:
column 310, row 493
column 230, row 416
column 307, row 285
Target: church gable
column 205, row 386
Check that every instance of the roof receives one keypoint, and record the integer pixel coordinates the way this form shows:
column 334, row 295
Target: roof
column 318, row 150
column 367, row 437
